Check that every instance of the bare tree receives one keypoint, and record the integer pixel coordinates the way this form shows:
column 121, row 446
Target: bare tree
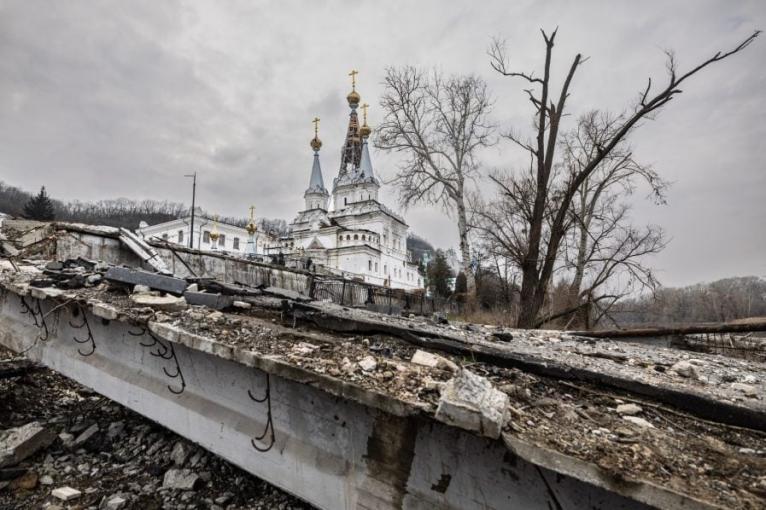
column 602, row 248
column 439, row 124
column 551, row 205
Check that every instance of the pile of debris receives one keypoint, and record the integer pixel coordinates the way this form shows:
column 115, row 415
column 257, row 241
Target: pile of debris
column 639, row 413
column 63, row 446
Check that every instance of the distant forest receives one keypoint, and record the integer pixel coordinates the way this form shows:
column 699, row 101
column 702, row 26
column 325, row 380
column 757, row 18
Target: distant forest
column 119, row 212
column 719, row 301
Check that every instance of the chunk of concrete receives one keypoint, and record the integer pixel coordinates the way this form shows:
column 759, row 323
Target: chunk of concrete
column 21, row 442
column 471, row 402
column 628, row 409
column 115, row 503
column 635, row 420
column 684, row 369
column 183, row 479
column 368, row 363
column 214, row 301
column 155, row 281
column 747, row 389
column 429, row 359
column 164, row 303
column 66, row 493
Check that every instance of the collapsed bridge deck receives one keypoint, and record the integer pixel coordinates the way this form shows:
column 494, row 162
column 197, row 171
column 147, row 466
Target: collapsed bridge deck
column 329, row 403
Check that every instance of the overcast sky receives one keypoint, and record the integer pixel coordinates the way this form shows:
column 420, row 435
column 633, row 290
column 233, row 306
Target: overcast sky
column 106, row 99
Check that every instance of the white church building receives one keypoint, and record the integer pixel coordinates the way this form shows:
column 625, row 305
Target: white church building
column 350, row 231
column 210, row 234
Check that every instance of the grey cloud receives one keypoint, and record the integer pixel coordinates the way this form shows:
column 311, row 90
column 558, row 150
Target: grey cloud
column 106, row 99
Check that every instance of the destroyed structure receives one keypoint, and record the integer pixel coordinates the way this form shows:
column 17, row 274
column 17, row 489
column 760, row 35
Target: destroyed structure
column 349, row 408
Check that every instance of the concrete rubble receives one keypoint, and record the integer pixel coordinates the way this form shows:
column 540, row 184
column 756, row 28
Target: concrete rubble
column 471, row 402
column 628, row 409
column 18, row 443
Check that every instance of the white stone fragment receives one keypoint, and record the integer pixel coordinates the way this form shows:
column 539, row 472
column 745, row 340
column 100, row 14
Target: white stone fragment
column 471, row 402
column 104, row 311
column 66, row 493
column 242, row 305
column 368, row 364
column 183, row 479
column 638, row 421
column 684, row 369
column 428, row 359
column 115, row 503
column 628, row 409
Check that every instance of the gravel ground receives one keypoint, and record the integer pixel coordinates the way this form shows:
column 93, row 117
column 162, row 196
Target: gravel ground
column 128, row 457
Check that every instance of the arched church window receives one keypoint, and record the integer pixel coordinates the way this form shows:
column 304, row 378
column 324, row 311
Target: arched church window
column 356, row 237
column 364, row 238
column 345, row 200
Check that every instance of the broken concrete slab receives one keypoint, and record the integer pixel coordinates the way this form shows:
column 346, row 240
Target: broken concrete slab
column 214, row 301
column 21, row 442
column 165, row 303
column 471, row 402
column 155, row 281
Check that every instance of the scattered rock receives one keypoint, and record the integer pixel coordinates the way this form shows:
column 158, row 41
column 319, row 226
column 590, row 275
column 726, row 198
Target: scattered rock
column 241, row 305
column 183, row 479
column 115, row 503
column 85, row 436
column 141, row 289
column 471, row 402
column 638, row 421
column 66, row 493
column 747, row 389
column 428, row 359
column 749, row 379
column 46, row 480
column 684, row 369
column 115, row 429
column 18, row 443
column 629, row 409
column 368, row 364
column 179, row 454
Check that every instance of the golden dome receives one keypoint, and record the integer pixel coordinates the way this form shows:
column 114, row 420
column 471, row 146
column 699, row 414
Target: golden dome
column 251, row 227
column 365, row 130
column 316, row 143
column 353, row 98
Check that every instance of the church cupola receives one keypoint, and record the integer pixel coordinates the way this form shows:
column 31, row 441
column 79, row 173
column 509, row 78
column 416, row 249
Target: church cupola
column 352, row 148
column 316, row 194
column 367, row 176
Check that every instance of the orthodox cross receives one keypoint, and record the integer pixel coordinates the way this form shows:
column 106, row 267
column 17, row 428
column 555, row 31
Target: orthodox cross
column 353, row 74
column 364, row 108
column 316, row 126
column 252, row 212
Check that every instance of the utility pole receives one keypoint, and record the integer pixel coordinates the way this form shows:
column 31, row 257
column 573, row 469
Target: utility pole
column 194, row 196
